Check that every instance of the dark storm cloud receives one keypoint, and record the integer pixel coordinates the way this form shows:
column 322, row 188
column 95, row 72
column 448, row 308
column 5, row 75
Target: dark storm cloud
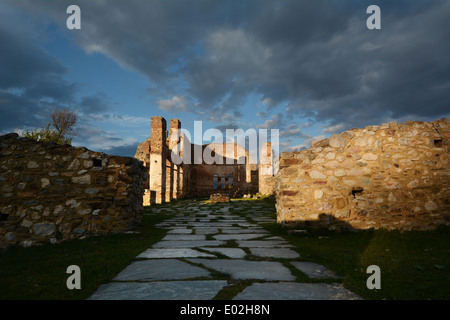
column 123, row 151
column 317, row 57
column 32, row 82
column 94, row 104
column 23, row 61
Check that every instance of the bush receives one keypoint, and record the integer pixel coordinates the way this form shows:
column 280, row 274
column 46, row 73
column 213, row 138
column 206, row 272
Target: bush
column 47, row 135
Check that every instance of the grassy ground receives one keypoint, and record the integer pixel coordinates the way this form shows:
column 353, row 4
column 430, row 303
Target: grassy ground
column 414, row 265
column 40, row 272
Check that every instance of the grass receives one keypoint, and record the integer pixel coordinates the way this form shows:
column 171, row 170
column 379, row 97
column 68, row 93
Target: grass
column 414, row 265
column 40, row 272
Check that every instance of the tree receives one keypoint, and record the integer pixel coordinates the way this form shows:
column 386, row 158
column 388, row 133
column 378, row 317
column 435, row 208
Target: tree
column 63, row 123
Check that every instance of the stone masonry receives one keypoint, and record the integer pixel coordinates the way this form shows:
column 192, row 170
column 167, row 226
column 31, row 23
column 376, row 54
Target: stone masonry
column 393, row 176
column 51, row 193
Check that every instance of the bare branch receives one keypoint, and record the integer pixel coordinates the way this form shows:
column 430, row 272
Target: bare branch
column 64, row 122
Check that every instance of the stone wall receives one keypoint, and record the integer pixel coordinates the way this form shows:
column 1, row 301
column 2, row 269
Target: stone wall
column 388, row 176
column 51, row 193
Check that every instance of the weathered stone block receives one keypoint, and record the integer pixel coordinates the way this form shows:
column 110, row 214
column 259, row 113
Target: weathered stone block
column 32, row 165
column 369, row 157
column 336, row 141
column 340, row 173
column 84, row 179
column 44, row 229
column 314, row 174
column 318, row 194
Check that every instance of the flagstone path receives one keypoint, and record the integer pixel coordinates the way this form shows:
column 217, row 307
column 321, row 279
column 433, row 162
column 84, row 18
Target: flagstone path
column 209, row 249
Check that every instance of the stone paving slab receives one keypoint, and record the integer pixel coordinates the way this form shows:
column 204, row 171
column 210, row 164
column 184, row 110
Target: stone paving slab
column 234, row 253
column 180, row 231
column 211, row 224
column 245, row 224
column 284, row 253
column 165, row 269
column 244, row 269
column 275, row 238
column 205, row 230
column 238, row 236
column 173, row 253
column 187, row 244
column 264, row 243
column 314, row 270
column 167, row 290
column 185, row 237
column 241, row 230
column 296, row 291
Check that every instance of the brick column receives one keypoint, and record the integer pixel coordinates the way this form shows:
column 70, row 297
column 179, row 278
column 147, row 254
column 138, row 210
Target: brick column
column 265, row 169
column 172, row 168
column 158, row 158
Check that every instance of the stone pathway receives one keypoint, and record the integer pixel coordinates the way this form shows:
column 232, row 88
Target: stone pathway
column 209, row 249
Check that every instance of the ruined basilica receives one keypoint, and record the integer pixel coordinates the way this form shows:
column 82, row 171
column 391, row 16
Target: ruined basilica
column 236, row 174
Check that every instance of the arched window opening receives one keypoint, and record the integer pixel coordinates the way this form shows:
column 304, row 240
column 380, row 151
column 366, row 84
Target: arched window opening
column 222, row 182
column 215, row 181
column 230, row 181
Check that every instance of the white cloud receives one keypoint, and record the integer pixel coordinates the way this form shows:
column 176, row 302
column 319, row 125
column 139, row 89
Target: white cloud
column 338, row 128
column 176, row 104
column 275, row 123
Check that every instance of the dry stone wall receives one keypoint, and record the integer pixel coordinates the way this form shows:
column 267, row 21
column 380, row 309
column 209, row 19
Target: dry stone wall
column 51, row 193
column 393, row 176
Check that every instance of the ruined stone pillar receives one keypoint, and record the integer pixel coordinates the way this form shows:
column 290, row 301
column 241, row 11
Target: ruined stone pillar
column 248, row 170
column 158, row 151
column 265, row 169
column 172, row 168
column 169, row 180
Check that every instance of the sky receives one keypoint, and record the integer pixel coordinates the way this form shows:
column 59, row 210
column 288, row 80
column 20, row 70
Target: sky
column 307, row 68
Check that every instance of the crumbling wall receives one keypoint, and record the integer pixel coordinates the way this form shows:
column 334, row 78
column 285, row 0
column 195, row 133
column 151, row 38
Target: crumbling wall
column 51, row 193
column 388, row 176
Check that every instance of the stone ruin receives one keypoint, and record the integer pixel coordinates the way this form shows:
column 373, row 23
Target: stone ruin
column 170, row 180
column 393, row 176
column 51, row 193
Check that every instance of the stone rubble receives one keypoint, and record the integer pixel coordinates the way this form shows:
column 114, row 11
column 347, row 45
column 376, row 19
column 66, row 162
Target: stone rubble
column 219, row 197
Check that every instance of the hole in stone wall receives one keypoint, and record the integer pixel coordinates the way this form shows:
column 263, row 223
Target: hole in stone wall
column 356, row 191
column 97, row 162
column 3, row 216
column 438, row 143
